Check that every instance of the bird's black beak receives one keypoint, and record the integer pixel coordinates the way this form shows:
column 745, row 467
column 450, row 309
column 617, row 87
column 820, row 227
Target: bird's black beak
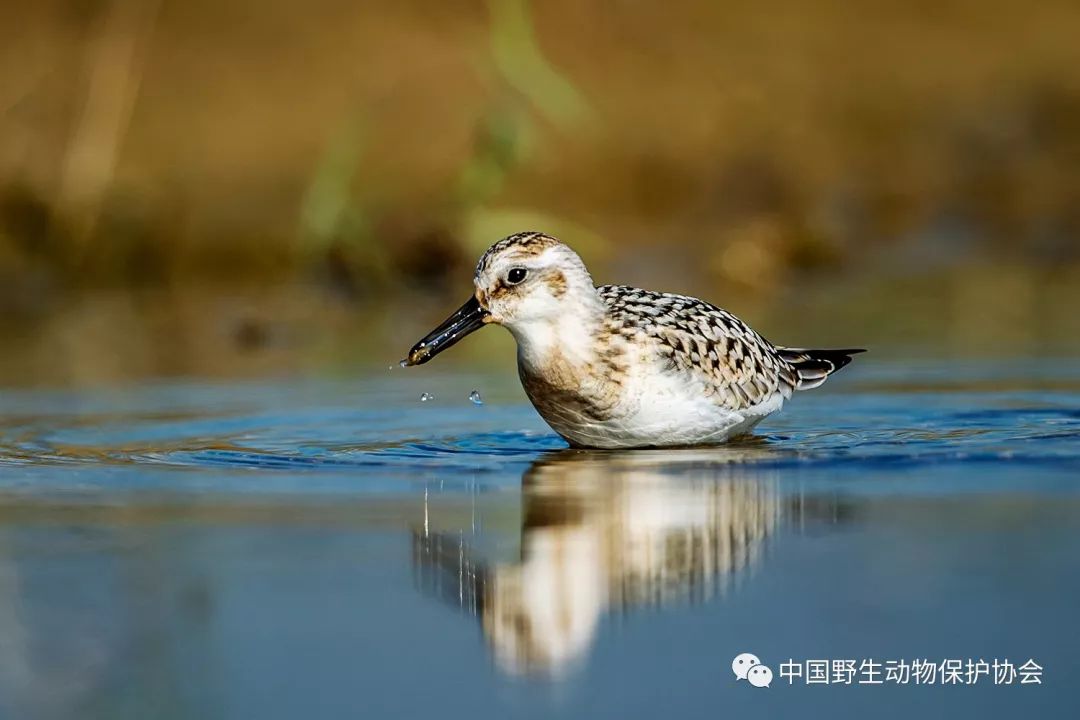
column 470, row 317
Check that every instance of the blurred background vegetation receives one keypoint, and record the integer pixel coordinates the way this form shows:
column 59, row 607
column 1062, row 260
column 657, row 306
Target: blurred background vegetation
column 234, row 188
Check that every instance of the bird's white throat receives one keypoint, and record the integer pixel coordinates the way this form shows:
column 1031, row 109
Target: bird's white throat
column 568, row 338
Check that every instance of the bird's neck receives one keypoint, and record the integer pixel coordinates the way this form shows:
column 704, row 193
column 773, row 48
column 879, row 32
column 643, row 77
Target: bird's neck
column 568, row 340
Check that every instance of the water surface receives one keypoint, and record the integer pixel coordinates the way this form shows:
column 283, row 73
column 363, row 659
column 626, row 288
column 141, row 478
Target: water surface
column 338, row 548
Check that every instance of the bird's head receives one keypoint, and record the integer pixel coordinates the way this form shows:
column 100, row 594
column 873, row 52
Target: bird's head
column 525, row 280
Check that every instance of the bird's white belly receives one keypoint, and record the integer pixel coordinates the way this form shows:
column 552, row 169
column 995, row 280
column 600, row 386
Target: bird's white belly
column 663, row 409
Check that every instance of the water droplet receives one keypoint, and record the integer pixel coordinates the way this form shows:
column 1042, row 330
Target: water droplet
column 424, row 397
column 475, row 399
column 403, row 363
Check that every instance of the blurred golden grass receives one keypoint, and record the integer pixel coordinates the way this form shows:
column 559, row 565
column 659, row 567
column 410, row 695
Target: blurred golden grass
column 728, row 148
column 117, row 336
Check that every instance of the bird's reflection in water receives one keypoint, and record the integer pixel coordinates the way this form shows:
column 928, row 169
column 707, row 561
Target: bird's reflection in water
column 606, row 532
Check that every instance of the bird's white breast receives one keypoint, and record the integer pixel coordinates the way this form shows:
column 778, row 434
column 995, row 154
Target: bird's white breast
column 660, row 407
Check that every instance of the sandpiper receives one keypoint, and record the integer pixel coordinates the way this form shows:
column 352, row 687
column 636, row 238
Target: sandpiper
column 619, row 367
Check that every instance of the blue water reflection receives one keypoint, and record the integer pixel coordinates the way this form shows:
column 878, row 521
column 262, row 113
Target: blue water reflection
column 338, row 548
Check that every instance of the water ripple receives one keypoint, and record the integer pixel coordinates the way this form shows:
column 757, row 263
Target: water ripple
column 866, row 431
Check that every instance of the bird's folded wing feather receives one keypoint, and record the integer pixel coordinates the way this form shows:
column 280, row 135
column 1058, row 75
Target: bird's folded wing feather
column 737, row 367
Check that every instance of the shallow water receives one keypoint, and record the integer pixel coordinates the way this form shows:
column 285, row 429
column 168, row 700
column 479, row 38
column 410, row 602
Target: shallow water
column 339, row 548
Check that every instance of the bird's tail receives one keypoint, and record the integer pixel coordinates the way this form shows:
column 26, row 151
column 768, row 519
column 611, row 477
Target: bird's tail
column 813, row 367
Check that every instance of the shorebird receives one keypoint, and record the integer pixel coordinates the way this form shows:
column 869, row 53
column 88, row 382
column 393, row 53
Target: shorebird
column 619, row 367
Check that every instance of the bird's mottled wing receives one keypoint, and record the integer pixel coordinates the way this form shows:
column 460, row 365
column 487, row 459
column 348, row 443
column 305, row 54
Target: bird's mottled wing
column 737, row 367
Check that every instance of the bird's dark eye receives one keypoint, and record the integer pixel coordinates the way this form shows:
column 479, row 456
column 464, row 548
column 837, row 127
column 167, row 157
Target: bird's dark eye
column 516, row 275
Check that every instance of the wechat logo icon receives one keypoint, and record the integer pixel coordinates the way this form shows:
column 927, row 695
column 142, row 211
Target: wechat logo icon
column 747, row 666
